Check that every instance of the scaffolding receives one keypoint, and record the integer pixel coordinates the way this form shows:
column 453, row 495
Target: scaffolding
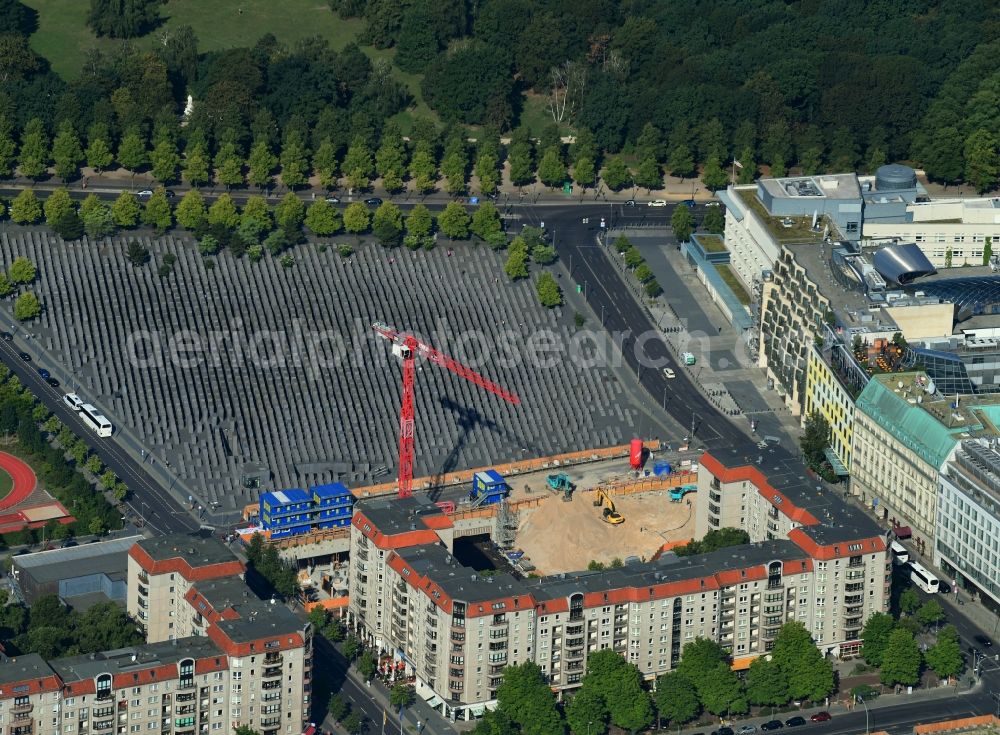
column 505, row 525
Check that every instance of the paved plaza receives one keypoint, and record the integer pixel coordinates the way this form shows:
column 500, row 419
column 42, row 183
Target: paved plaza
column 251, row 369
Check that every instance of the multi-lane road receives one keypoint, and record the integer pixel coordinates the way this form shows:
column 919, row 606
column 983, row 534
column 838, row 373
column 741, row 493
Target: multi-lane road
column 149, row 500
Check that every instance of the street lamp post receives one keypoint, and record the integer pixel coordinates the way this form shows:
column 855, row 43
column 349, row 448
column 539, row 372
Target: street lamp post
column 864, row 704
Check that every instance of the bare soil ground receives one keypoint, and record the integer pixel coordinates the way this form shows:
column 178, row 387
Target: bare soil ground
column 564, row 537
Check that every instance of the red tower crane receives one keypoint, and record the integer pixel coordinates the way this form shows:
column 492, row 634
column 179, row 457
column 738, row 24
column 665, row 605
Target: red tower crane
column 407, row 347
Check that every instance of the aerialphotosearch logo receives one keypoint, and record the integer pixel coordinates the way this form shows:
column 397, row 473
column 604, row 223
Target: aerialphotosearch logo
column 301, row 347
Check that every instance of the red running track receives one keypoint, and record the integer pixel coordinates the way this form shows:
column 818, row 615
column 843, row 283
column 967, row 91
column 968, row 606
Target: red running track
column 23, row 477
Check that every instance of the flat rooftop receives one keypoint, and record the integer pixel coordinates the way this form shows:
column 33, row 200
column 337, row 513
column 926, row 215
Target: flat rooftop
column 108, row 557
column 816, row 259
column 974, row 415
column 828, row 186
column 466, row 585
column 838, row 521
column 134, row 658
column 668, row 568
column 197, row 550
column 784, row 229
column 21, row 668
column 259, row 619
column 392, row 514
column 458, row 581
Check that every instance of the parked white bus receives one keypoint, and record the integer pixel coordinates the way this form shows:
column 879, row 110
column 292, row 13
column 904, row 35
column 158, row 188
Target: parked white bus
column 899, row 553
column 95, row 420
column 923, row 578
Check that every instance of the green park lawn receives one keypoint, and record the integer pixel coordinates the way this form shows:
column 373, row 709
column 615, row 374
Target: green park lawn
column 64, row 38
column 6, row 484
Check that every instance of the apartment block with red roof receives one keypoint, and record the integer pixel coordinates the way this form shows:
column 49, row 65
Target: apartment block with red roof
column 455, row 630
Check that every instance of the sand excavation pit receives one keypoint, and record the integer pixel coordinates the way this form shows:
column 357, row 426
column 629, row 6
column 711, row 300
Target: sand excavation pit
column 565, row 537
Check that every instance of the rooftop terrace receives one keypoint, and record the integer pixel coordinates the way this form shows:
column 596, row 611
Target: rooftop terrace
column 783, row 229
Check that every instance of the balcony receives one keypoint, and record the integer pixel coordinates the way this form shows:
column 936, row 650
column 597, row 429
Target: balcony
column 272, row 671
column 854, row 599
column 103, row 725
column 268, row 685
column 714, row 497
column 270, row 721
column 22, row 729
column 185, row 683
column 854, row 587
column 498, row 633
column 143, row 578
column 853, row 624
column 104, row 694
column 22, row 707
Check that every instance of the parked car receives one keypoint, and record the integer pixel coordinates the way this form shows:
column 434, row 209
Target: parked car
column 690, row 203
column 44, row 373
column 669, row 374
column 68, row 543
column 747, row 730
column 658, row 203
column 723, row 731
column 772, row 725
column 53, row 382
column 170, row 194
column 373, row 202
column 7, row 336
column 713, row 204
column 24, row 356
column 821, row 717
column 982, row 641
column 144, row 194
column 795, row 721
column 630, row 203
column 332, row 200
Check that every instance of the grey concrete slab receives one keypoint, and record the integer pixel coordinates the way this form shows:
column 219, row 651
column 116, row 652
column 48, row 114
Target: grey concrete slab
column 289, row 373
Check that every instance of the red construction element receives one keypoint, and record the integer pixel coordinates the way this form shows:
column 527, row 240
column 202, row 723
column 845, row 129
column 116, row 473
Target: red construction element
column 23, row 477
column 635, row 454
column 407, row 347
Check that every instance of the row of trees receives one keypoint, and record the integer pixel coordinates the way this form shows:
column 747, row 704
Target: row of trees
column 891, row 646
column 256, row 226
column 62, row 462
column 422, row 163
column 613, row 693
column 637, row 264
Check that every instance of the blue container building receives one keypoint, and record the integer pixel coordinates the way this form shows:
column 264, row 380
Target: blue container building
column 333, row 505
column 286, row 512
column 293, row 512
column 488, row 487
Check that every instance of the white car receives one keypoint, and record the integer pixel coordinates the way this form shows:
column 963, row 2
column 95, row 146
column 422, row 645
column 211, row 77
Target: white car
column 669, row 374
column 719, row 204
column 144, row 194
column 73, row 401
column 658, row 203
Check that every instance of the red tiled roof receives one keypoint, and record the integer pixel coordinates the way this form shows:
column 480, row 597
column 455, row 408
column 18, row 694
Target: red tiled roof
column 180, row 565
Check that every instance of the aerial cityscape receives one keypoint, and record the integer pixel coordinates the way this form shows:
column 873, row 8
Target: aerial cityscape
column 499, row 367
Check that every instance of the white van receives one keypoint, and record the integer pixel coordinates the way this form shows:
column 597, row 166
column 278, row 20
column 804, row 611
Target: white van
column 73, row 401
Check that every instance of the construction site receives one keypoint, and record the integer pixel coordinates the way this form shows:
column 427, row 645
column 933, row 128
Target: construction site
column 609, row 506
